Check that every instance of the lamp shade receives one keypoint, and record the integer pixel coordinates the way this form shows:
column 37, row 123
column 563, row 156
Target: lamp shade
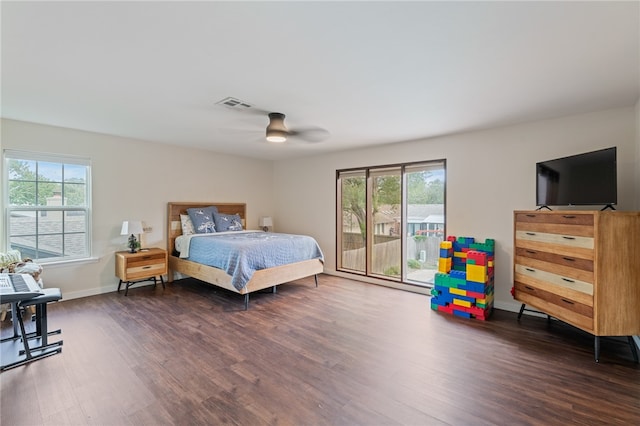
column 266, row 221
column 131, row 227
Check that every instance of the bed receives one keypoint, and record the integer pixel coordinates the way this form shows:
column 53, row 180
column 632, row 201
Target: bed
column 259, row 280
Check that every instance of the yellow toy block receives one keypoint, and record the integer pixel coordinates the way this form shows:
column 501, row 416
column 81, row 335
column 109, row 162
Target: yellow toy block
column 458, row 291
column 460, row 254
column 461, row 303
column 444, row 265
column 446, row 244
column 477, row 273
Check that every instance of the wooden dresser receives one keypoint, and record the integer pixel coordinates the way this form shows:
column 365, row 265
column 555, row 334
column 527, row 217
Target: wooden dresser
column 581, row 267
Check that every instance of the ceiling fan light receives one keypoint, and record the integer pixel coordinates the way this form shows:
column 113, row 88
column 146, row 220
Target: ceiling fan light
column 276, row 130
column 276, row 136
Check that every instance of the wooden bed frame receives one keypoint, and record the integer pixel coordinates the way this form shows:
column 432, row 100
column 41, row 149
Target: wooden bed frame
column 261, row 279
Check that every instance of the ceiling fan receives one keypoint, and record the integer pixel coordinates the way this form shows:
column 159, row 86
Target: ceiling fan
column 277, row 131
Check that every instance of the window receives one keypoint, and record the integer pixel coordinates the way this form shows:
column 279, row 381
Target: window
column 47, row 206
column 391, row 220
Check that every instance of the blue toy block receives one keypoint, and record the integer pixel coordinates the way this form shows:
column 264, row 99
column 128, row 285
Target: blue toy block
column 446, row 252
column 458, row 275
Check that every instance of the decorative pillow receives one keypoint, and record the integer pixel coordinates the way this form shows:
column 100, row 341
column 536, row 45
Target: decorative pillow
column 11, row 256
column 227, row 222
column 187, row 225
column 202, row 219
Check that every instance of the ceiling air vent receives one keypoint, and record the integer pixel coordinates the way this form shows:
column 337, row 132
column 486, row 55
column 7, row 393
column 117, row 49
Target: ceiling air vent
column 234, row 103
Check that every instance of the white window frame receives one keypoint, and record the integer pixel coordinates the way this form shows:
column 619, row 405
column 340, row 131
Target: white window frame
column 86, row 209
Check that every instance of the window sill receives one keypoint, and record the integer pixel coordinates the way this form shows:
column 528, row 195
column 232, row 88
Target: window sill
column 59, row 263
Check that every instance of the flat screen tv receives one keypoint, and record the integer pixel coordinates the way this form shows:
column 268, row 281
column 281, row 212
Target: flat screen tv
column 578, row 180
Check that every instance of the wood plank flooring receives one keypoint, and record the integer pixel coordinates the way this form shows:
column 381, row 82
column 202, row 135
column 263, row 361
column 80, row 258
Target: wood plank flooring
column 345, row 353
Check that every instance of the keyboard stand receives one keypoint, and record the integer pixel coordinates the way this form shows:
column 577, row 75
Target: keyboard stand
column 43, row 349
column 14, row 322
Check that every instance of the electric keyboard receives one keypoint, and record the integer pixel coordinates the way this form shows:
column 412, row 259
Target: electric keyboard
column 18, row 287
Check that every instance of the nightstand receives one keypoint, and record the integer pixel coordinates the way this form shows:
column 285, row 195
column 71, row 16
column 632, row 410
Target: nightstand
column 144, row 265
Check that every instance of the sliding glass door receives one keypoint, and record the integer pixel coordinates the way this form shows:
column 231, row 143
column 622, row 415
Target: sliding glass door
column 352, row 219
column 391, row 220
column 424, row 221
column 384, row 233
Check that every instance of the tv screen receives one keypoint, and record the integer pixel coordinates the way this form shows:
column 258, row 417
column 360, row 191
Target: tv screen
column 583, row 179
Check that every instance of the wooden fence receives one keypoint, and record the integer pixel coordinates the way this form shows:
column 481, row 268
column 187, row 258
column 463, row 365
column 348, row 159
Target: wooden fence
column 386, row 255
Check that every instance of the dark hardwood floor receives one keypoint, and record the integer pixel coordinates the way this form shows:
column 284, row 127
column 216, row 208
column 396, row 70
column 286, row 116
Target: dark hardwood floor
column 345, row 353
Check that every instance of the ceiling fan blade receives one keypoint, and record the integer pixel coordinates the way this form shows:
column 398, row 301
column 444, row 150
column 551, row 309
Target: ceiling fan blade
column 310, row 134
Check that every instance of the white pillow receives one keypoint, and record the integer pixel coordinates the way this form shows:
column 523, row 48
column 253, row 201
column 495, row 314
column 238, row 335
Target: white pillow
column 187, row 225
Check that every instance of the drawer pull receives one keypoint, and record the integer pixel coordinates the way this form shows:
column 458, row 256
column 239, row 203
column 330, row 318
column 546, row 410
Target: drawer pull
column 568, row 238
column 568, row 259
column 531, row 215
column 531, row 233
column 568, row 280
column 530, row 270
column 531, row 252
column 567, row 301
column 146, row 267
column 529, row 288
column 569, row 216
column 146, row 258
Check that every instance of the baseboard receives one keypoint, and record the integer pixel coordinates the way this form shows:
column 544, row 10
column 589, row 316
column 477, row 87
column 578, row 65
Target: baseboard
column 70, row 295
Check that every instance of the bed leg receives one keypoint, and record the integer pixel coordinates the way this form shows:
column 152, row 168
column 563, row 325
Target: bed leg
column 273, row 289
column 316, row 278
column 246, row 301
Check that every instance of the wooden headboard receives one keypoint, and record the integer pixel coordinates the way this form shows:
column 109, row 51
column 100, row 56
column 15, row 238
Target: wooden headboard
column 175, row 209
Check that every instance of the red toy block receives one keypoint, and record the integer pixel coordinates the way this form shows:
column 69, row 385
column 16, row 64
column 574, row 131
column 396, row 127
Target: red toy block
column 478, row 257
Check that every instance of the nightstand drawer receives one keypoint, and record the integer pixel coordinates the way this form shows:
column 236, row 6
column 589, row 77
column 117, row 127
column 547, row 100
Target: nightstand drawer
column 143, row 271
column 144, row 260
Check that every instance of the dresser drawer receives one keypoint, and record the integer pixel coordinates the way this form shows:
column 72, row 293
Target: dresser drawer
column 560, row 218
column 567, row 260
column 566, row 272
column 556, row 299
column 569, row 240
column 565, row 309
column 554, row 279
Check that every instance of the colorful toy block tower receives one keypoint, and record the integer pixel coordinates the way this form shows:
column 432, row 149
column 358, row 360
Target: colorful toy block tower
column 466, row 288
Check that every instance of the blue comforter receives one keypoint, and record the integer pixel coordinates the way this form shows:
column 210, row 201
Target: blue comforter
column 240, row 254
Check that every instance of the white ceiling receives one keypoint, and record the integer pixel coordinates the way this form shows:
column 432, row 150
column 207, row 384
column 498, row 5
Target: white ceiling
column 368, row 72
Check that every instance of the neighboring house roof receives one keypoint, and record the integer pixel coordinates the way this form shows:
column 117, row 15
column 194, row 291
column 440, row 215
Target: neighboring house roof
column 417, row 213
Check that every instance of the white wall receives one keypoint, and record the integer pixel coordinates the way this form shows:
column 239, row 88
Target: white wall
column 133, row 179
column 490, row 173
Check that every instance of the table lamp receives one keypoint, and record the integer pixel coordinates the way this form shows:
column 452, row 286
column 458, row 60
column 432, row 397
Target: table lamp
column 266, row 222
column 132, row 228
